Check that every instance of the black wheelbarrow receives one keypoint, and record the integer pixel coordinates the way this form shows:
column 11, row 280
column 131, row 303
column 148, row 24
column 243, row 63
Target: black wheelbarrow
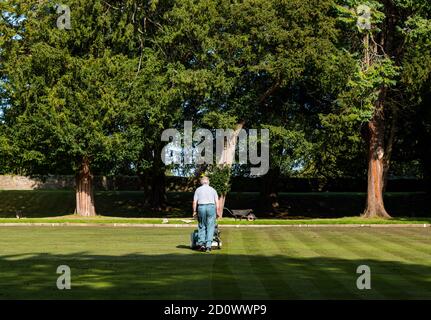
column 242, row 214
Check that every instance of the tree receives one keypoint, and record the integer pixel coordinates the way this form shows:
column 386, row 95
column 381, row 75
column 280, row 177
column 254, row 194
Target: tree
column 154, row 104
column 259, row 64
column 66, row 89
column 375, row 92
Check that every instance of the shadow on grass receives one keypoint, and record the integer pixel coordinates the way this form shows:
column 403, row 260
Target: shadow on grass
column 194, row 275
column 182, row 246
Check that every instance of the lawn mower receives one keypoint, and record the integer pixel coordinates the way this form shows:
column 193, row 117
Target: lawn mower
column 216, row 244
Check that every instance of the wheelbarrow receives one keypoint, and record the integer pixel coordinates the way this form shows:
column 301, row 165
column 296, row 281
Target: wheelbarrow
column 242, row 214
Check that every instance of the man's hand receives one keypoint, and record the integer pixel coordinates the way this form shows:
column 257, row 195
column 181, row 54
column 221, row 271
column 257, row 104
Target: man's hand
column 195, row 214
column 218, row 213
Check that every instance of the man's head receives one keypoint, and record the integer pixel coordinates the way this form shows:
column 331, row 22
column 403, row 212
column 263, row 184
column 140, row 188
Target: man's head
column 205, row 180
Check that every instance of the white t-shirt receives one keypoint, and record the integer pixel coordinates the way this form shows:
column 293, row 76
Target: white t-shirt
column 205, row 195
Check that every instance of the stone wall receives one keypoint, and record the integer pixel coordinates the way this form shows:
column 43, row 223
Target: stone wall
column 13, row 182
column 130, row 183
column 180, row 184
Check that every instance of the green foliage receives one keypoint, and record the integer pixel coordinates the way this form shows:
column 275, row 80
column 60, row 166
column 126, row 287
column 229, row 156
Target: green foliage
column 220, row 178
column 108, row 87
column 290, row 150
column 358, row 102
column 417, row 60
column 217, row 120
column 66, row 88
column 349, row 13
column 399, row 56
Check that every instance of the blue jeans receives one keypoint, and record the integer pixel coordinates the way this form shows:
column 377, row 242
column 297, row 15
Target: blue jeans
column 207, row 219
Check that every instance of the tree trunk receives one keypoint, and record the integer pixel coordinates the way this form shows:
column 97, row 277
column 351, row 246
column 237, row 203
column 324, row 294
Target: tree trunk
column 375, row 206
column 152, row 180
column 84, row 191
column 221, row 202
column 158, row 190
column 269, row 191
column 145, row 185
column 227, row 158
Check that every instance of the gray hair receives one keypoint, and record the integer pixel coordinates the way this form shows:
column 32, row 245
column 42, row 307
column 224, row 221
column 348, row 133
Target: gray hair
column 205, row 180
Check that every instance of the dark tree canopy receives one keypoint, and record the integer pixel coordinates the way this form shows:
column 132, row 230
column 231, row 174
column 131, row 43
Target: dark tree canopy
column 95, row 98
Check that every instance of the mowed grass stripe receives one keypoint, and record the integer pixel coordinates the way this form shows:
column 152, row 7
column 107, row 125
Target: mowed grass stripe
column 284, row 266
column 308, row 264
column 193, row 272
column 137, row 263
column 264, row 262
column 388, row 266
column 155, row 263
column 339, row 244
column 414, row 240
column 250, row 284
column 417, row 238
column 395, row 247
column 224, row 283
column 155, row 269
column 330, row 273
column 292, row 269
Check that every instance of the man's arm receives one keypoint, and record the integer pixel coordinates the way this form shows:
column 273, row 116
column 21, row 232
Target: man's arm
column 194, row 207
column 218, row 208
column 217, row 204
column 195, row 203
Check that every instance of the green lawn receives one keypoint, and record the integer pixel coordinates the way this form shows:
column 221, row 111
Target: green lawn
column 255, row 263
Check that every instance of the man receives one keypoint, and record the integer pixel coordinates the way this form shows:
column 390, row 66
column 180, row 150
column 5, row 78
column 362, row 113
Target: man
column 207, row 204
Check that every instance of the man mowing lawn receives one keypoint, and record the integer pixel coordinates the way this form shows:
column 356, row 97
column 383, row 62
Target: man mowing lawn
column 206, row 201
